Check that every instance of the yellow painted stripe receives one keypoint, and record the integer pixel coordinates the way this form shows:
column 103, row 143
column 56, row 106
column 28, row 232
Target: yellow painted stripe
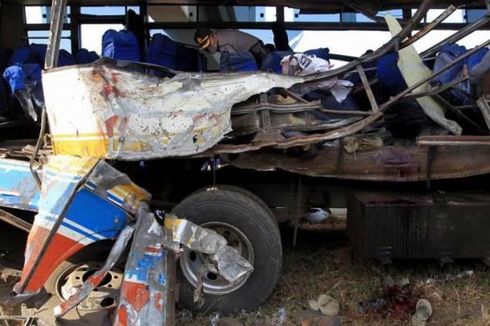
column 85, row 148
column 131, row 194
column 64, row 165
column 75, row 136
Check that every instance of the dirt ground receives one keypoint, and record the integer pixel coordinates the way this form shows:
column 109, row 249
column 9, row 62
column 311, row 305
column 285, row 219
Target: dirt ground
column 322, row 263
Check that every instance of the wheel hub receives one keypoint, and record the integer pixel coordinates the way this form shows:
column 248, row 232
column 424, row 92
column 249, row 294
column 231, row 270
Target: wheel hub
column 193, row 263
column 104, row 296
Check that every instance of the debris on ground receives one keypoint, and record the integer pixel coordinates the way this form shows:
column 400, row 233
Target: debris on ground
column 326, row 305
column 315, row 318
column 214, row 319
column 423, row 311
column 280, row 317
column 451, row 277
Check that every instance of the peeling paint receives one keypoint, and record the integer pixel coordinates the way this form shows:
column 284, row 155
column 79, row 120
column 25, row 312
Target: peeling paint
column 178, row 116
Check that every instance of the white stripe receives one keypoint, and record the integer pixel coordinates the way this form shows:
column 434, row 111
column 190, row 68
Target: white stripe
column 73, row 235
column 64, row 231
column 78, row 226
column 62, row 176
column 16, row 163
column 156, row 254
column 49, row 224
column 133, row 279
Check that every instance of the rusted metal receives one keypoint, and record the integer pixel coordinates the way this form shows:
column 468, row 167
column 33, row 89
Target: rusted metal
column 428, row 225
column 396, row 163
column 436, row 90
column 15, row 221
column 459, row 111
column 424, row 31
column 394, row 99
column 297, row 140
column 453, row 141
column 368, row 89
column 431, row 154
column 387, row 47
column 465, row 31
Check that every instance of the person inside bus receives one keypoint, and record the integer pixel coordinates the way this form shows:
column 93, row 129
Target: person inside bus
column 230, row 40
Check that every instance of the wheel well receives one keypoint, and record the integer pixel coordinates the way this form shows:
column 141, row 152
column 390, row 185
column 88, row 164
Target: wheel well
column 95, row 251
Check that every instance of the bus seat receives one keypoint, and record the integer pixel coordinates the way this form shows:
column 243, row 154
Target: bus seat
column 85, row 56
column 121, row 45
column 165, row 52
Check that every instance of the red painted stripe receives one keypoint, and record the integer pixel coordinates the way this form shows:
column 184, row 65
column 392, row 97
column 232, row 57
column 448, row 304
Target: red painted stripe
column 60, row 249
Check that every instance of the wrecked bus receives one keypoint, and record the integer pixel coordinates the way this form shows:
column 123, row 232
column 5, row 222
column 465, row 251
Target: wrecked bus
column 232, row 151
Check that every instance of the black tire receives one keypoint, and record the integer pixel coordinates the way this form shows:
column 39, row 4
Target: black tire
column 249, row 214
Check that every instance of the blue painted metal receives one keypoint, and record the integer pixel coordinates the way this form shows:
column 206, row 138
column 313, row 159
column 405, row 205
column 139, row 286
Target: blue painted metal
column 18, row 188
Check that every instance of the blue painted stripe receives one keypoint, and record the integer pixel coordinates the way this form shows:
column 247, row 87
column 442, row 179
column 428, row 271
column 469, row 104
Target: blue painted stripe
column 113, row 198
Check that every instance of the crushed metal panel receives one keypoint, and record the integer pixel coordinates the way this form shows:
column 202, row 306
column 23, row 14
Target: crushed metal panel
column 95, row 213
column 18, row 188
column 116, row 187
column 230, row 265
column 119, row 114
column 147, row 295
column 60, row 177
column 413, row 70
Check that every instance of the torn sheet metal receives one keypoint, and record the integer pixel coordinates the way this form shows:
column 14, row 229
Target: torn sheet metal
column 147, row 294
column 230, row 265
column 116, row 187
column 413, row 70
column 95, row 279
column 121, row 114
column 95, row 213
column 60, row 177
column 18, row 188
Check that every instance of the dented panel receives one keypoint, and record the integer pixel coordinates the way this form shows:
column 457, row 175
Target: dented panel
column 147, row 296
column 18, row 188
column 99, row 209
column 126, row 115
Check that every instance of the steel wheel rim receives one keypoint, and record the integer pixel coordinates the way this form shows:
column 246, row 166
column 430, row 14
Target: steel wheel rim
column 104, row 296
column 191, row 262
